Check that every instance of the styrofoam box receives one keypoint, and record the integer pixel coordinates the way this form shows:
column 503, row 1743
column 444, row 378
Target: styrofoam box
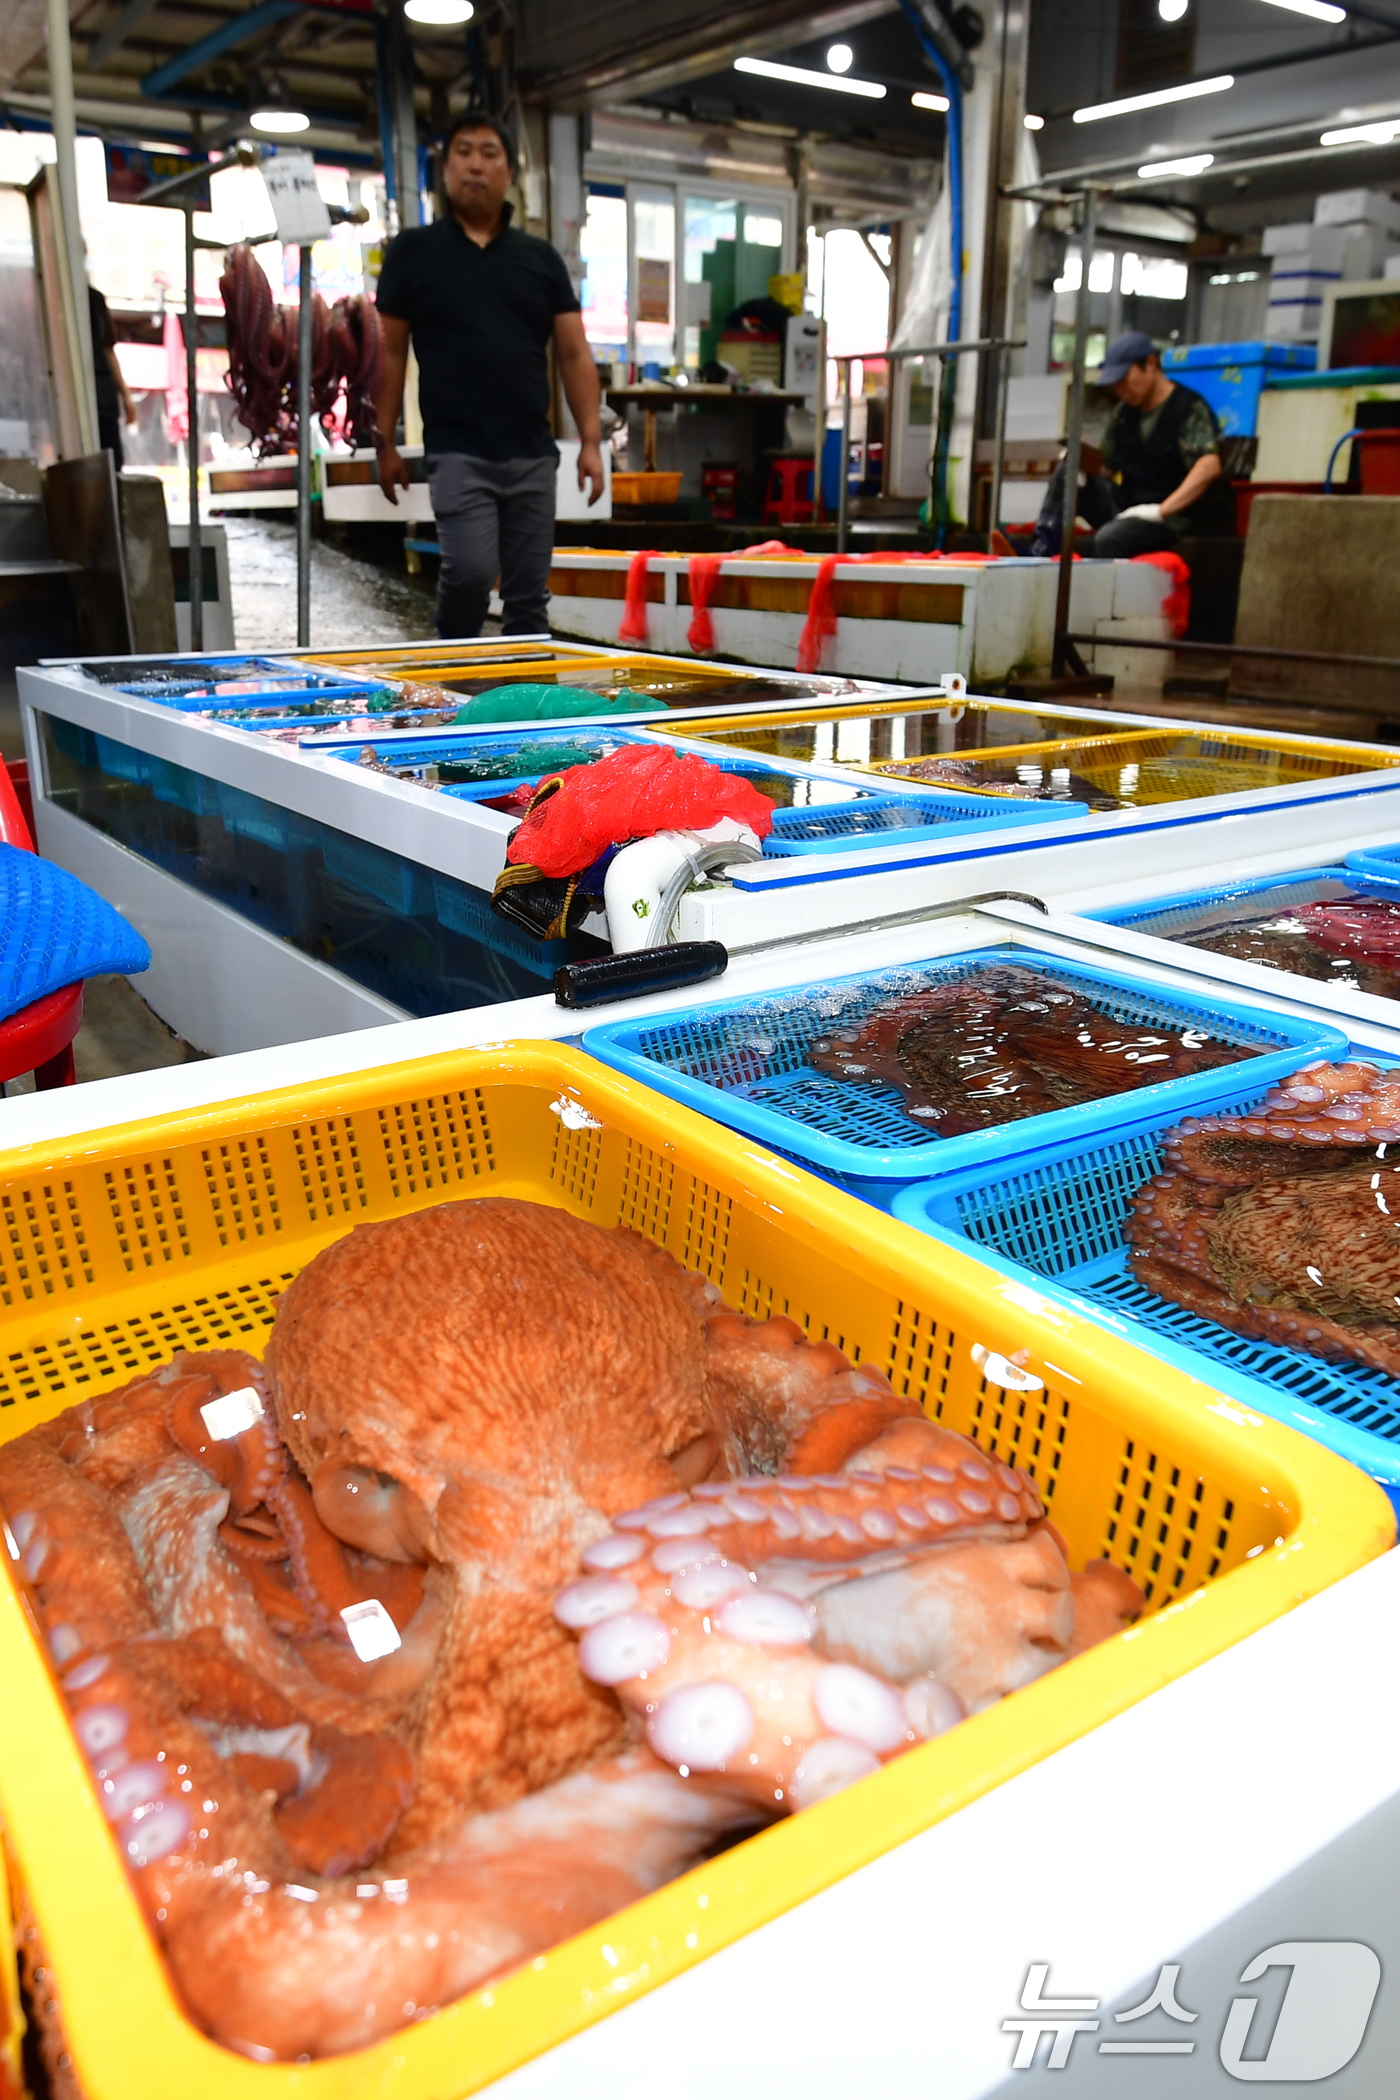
column 1295, row 320
column 1358, row 207
column 1392, row 266
column 1320, row 247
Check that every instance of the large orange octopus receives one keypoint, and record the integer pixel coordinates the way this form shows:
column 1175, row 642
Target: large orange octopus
column 641, row 1573
column 1284, row 1223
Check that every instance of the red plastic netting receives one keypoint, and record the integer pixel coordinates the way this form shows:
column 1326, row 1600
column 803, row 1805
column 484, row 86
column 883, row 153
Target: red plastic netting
column 1176, row 606
column 633, row 794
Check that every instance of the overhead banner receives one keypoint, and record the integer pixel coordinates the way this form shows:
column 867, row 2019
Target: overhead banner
column 132, row 170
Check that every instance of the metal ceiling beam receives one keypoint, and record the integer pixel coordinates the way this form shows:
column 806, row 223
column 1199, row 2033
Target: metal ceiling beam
column 116, row 34
column 749, row 31
column 235, row 31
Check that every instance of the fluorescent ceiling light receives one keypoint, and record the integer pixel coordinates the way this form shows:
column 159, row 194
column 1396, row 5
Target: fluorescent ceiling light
column 1172, row 10
column 439, row 14
column 1383, row 133
column 803, row 76
column 1319, row 10
column 1189, row 164
column 1186, row 93
column 278, row 121
column 1033, row 123
column 840, row 58
column 922, row 101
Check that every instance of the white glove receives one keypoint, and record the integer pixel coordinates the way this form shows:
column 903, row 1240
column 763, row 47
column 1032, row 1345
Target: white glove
column 1150, row 512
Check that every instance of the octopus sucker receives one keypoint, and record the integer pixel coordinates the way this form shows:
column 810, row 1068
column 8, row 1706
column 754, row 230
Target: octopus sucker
column 1007, row 1042
column 1282, row 1223
column 525, row 1573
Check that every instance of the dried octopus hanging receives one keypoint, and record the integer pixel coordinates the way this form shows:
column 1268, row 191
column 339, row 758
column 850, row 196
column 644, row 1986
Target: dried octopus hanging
column 347, row 357
column 521, row 1576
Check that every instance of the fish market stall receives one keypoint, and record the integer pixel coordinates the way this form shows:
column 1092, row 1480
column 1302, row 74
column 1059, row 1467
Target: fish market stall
column 307, row 848
column 695, row 1926
column 909, row 617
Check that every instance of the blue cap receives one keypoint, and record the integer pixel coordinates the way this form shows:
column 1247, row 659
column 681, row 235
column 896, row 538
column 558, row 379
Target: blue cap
column 1131, row 349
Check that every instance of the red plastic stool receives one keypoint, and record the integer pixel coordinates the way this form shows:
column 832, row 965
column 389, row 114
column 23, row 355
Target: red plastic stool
column 39, row 1039
column 789, row 498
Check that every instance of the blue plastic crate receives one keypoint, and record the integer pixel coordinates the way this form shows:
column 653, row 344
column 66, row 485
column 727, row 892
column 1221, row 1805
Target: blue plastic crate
column 1057, row 1221
column 463, row 909
column 744, row 1062
column 400, row 885
column 251, row 817
column 1232, row 376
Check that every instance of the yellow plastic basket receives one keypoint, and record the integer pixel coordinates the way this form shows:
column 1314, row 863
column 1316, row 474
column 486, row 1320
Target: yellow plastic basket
column 180, row 1232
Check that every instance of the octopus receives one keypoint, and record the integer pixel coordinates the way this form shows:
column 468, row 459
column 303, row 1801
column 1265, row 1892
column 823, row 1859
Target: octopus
column 521, row 1576
column 1353, row 940
column 1023, row 782
column 1284, row 1223
column 1006, row 1042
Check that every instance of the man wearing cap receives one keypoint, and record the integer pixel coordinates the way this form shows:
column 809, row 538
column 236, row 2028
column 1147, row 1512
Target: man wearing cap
column 1161, row 453
column 482, row 302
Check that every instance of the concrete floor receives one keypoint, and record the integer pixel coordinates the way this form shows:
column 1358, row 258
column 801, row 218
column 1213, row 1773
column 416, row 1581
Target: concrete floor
column 354, row 603
column 119, row 1034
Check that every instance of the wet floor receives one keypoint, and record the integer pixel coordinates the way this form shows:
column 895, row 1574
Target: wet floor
column 354, row 602
column 119, row 1034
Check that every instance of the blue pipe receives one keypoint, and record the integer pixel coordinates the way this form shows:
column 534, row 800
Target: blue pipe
column 234, row 31
column 1345, row 439
column 952, row 87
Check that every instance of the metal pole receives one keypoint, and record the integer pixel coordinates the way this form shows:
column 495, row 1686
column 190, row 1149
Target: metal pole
column 65, row 131
column 1004, row 356
column 304, row 455
column 195, row 545
column 843, row 494
column 1074, row 434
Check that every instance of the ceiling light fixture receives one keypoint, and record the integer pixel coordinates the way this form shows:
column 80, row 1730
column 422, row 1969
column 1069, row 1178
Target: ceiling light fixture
column 1318, row 10
column 840, row 58
column 1033, row 123
column 1172, row 10
column 439, row 14
column 803, row 76
column 1383, row 133
column 1189, row 164
column 922, row 101
column 278, row 122
column 1187, row 92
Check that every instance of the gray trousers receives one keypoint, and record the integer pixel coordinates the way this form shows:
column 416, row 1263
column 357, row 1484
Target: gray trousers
column 495, row 517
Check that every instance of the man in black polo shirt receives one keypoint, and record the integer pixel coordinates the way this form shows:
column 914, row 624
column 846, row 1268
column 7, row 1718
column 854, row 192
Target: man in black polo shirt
column 1162, row 455
column 481, row 301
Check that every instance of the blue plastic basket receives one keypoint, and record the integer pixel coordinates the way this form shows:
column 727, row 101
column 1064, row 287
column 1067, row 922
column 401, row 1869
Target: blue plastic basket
column 852, row 817
column 1058, row 1220
column 745, row 1063
column 1187, row 911
column 251, row 817
column 1378, row 864
column 399, row 885
column 463, row 909
column 185, row 686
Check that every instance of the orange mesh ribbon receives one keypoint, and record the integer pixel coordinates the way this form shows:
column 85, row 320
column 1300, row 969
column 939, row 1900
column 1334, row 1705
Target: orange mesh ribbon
column 634, row 612
column 704, row 575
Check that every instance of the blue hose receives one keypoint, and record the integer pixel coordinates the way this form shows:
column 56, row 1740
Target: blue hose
column 1345, row 439
column 952, row 87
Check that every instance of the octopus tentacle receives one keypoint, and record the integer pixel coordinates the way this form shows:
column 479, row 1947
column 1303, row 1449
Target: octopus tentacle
column 779, row 1400
column 792, row 1634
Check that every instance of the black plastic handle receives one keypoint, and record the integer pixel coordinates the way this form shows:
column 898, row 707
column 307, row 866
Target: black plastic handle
column 646, row 970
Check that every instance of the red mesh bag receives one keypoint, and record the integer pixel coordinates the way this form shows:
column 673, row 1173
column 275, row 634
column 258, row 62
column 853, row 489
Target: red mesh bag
column 638, row 791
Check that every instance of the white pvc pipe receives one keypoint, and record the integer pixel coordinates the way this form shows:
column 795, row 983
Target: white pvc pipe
column 636, row 881
column 65, row 132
